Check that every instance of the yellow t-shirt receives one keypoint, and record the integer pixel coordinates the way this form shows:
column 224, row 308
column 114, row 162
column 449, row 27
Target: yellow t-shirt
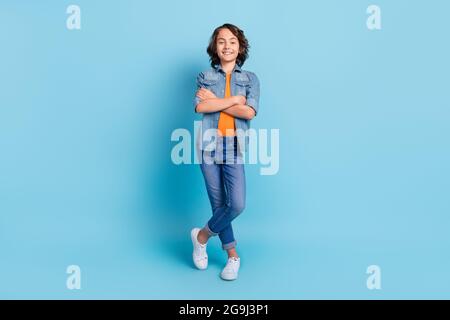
column 226, row 122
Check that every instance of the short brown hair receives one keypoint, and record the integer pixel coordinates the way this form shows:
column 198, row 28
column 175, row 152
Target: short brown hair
column 243, row 45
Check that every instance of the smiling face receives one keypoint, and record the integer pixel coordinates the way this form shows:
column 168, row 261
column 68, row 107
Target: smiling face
column 227, row 45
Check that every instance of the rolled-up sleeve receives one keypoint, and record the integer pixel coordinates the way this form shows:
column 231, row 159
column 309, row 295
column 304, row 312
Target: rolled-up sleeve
column 197, row 100
column 253, row 93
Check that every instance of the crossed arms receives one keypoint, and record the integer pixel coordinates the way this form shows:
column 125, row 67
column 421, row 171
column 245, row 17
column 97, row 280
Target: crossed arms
column 234, row 105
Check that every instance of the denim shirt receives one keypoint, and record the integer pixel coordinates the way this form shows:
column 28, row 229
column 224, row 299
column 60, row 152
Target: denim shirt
column 242, row 83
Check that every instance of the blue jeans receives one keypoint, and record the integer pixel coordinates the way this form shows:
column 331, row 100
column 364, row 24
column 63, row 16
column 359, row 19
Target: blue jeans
column 223, row 170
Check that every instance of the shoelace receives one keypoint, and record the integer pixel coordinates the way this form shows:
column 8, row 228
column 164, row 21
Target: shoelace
column 200, row 253
column 232, row 263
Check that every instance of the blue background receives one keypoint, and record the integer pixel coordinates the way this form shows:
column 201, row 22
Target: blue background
column 86, row 176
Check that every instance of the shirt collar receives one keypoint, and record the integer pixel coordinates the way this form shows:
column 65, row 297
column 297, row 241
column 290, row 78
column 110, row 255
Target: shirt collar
column 236, row 68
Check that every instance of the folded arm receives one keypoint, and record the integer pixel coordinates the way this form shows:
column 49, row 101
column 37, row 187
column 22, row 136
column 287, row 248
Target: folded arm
column 234, row 105
column 214, row 105
column 240, row 111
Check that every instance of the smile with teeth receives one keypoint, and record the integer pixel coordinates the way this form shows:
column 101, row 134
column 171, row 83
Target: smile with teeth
column 227, row 52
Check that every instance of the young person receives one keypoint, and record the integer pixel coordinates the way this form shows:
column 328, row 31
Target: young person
column 228, row 98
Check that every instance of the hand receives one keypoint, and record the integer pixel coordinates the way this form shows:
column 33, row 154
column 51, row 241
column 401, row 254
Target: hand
column 239, row 100
column 204, row 94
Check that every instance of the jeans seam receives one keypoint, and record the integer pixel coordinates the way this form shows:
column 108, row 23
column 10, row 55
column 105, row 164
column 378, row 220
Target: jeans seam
column 219, row 218
column 229, row 245
column 210, row 232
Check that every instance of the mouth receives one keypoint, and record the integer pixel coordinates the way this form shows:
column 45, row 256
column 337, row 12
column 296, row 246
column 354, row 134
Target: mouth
column 227, row 53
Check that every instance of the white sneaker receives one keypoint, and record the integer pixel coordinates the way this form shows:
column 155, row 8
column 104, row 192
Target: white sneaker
column 199, row 254
column 230, row 272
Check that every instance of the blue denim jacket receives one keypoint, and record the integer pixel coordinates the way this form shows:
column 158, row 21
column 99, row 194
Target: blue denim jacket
column 243, row 83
